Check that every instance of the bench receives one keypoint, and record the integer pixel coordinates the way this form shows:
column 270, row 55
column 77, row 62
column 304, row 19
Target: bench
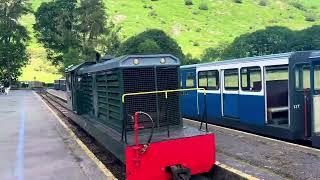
column 272, row 110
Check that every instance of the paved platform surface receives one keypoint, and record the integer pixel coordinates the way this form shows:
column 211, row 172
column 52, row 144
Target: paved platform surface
column 33, row 145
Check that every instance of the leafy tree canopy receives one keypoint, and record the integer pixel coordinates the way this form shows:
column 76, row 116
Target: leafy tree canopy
column 271, row 40
column 152, row 41
column 13, row 39
column 62, row 26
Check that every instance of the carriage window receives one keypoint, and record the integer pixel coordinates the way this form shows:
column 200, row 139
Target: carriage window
column 251, row 79
column 302, row 76
column 209, row 79
column 190, row 80
column 203, row 79
column 317, row 77
column 276, row 73
column 213, row 80
column 231, row 79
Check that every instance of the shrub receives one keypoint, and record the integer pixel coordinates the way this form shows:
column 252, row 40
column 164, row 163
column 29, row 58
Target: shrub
column 154, row 0
column 198, row 29
column 203, row 6
column 188, row 2
column 196, row 43
column 298, row 6
column 310, row 18
column 263, row 3
column 237, row 1
column 196, row 12
column 153, row 13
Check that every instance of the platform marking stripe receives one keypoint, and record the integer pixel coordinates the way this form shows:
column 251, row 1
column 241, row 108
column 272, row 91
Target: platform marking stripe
column 19, row 169
column 255, row 135
column 89, row 153
column 235, row 171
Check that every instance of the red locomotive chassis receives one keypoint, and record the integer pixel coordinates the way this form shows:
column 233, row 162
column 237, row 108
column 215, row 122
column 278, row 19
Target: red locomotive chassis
column 196, row 153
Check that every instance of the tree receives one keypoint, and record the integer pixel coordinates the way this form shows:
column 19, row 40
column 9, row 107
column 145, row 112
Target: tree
column 91, row 25
column 109, row 43
column 214, row 54
column 271, row 40
column 161, row 42
column 13, row 39
column 55, row 28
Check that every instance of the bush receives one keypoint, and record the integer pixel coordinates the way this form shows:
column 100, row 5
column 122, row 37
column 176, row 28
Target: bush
column 188, row 2
column 196, row 43
column 298, row 6
column 310, row 18
column 198, row 29
column 263, row 3
column 203, row 6
column 196, row 12
column 153, row 13
column 154, row 0
column 237, row 1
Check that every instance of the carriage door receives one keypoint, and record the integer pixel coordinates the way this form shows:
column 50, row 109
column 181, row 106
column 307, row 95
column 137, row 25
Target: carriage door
column 189, row 98
column 230, row 93
column 301, row 99
column 315, row 86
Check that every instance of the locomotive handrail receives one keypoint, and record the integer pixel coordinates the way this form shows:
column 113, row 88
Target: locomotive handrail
column 166, row 96
column 163, row 91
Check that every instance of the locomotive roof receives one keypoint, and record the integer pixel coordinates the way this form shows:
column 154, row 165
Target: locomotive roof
column 127, row 61
column 253, row 59
column 72, row 68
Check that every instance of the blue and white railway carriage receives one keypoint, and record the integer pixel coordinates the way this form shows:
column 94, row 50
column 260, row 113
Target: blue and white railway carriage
column 267, row 95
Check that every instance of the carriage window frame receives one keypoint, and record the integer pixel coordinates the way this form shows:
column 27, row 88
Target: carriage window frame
column 229, row 88
column 316, row 77
column 206, row 74
column 245, row 88
column 298, row 87
column 190, row 74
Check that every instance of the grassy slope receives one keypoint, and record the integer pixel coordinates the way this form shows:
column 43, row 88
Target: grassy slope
column 38, row 68
column 224, row 21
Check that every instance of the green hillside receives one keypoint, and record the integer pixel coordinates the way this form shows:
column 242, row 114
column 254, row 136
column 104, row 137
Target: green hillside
column 194, row 29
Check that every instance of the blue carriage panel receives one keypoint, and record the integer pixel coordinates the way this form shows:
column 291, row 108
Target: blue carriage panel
column 213, row 105
column 252, row 109
column 231, row 105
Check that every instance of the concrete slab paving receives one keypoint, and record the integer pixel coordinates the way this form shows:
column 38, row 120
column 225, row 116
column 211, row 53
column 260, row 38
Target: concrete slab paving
column 33, row 145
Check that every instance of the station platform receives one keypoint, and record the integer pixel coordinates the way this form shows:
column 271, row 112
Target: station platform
column 33, row 145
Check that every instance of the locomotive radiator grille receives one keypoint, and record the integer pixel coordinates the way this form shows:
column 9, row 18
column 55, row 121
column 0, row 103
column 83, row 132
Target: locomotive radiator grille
column 86, row 97
column 156, row 105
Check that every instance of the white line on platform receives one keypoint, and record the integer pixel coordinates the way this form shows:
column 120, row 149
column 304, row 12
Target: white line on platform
column 235, row 171
column 254, row 135
column 89, row 153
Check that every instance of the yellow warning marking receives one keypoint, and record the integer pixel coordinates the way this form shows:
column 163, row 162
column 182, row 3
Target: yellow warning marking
column 163, row 91
column 235, row 171
column 89, row 153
